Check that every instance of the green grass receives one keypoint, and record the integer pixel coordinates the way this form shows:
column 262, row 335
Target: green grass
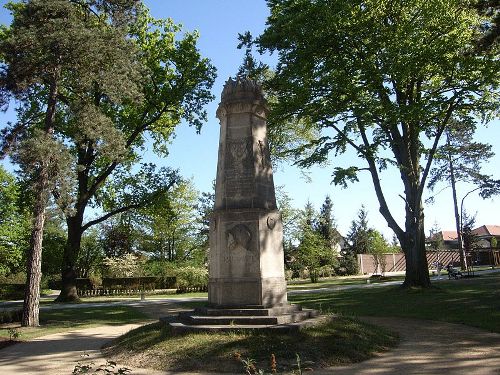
column 332, row 282
column 60, row 320
column 474, row 302
column 340, row 341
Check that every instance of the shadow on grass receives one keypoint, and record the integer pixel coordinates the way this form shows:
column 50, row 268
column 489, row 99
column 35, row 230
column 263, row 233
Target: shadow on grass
column 342, row 340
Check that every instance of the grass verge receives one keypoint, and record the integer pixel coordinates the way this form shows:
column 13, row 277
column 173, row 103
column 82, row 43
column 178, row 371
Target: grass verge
column 340, row 341
column 474, row 302
column 60, row 320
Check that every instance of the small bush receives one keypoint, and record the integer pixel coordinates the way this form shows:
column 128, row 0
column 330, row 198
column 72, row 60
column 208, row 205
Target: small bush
column 10, row 316
column 191, row 279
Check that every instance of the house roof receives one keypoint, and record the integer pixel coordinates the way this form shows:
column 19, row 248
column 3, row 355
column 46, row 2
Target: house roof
column 487, row 230
column 449, row 235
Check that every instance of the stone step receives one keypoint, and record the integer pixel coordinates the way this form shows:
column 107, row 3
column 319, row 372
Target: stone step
column 195, row 319
column 248, row 311
column 180, row 327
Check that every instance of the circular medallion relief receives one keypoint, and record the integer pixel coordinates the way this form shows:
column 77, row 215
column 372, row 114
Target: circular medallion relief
column 271, row 222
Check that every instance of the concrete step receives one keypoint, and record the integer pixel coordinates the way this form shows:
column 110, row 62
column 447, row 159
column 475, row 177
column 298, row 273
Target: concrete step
column 198, row 319
column 248, row 311
column 180, row 327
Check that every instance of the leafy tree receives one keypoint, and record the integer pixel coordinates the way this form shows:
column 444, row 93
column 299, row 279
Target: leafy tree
column 359, row 233
column 459, row 160
column 54, row 241
column 493, row 242
column 55, row 53
column 436, row 238
column 14, row 223
column 205, row 208
column 378, row 247
column 170, row 226
column 148, row 79
column 91, row 254
column 290, row 217
column 313, row 251
column 119, row 236
column 384, row 78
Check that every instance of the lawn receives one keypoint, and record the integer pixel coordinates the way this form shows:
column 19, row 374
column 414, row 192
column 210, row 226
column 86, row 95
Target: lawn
column 59, row 320
column 332, row 282
column 341, row 340
column 474, row 302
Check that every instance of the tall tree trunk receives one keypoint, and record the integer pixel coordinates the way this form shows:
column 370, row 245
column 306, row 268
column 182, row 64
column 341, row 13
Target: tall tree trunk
column 31, row 306
column 68, row 273
column 417, row 268
column 417, row 274
column 457, row 214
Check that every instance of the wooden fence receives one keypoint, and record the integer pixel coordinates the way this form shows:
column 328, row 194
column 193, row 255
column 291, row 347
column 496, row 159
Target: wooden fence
column 396, row 262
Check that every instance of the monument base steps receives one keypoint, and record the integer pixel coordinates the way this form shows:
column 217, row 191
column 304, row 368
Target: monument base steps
column 285, row 318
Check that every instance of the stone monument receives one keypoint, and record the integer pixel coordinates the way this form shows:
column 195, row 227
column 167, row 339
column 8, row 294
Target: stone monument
column 247, row 287
column 246, row 236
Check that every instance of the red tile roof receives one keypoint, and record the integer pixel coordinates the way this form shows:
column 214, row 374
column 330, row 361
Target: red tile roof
column 449, row 235
column 487, row 230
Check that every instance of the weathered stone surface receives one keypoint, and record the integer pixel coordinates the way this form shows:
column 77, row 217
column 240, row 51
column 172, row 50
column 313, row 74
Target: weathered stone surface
column 247, row 287
column 246, row 235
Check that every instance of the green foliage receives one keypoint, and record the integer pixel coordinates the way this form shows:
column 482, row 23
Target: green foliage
column 127, row 265
column 14, row 334
column 494, row 242
column 171, row 228
column 14, row 225
column 191, row 278
column 91, row 255
column 378, row 77
column 359, row 233
column 54, row 242
column 108, row 368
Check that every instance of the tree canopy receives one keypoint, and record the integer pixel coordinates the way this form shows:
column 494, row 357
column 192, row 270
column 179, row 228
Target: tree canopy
column 384, row 78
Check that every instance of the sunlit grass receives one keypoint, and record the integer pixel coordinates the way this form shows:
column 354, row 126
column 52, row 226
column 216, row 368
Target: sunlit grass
column 474, row 302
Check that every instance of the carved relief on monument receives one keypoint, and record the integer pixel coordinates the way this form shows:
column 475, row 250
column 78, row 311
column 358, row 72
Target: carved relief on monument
column 271, row 221
column 240, row 254
column 239, row 151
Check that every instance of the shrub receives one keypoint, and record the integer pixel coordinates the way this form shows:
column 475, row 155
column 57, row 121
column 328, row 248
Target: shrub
column 11, row 316
column 191, row 279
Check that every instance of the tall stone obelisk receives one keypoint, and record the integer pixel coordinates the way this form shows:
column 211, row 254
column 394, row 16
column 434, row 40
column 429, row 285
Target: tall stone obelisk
column 246, row 235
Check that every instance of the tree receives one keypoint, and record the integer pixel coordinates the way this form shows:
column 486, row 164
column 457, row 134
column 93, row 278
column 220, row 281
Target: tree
column 290, row 217
column 313, row 251
column 39, row 51
column 169, row 227
column 384, row 78
column 459, row 160
column 119, row 236
column 378, row 247
column 326, row 224
column 469, row 238
column 14, row 223
column 148, row 79
column 359, row 233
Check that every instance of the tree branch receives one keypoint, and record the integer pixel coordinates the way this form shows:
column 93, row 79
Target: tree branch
column 110, row 214
column 384, row 208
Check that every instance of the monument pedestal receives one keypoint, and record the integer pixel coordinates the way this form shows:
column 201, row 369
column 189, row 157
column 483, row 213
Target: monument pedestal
column 246, row 259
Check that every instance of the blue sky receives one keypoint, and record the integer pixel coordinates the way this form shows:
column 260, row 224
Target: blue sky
column 219, row 22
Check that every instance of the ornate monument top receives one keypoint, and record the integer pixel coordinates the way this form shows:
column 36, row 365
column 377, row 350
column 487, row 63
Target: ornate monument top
column 241, row 89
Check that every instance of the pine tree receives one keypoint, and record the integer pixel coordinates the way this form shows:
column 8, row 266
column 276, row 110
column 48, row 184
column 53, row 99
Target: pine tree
column 359, row 233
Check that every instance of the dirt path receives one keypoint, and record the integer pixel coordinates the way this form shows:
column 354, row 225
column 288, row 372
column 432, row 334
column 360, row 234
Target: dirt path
column 427, row 347
column 431, row 347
